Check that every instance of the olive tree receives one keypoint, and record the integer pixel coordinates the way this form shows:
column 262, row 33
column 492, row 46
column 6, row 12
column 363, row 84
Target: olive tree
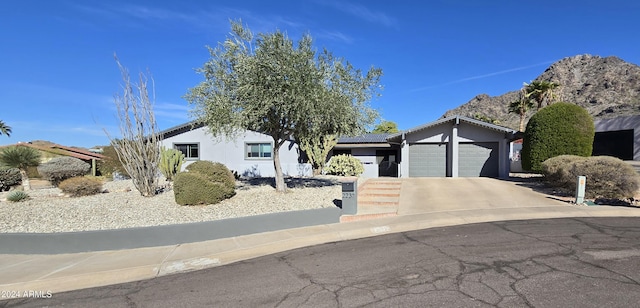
column 269, row 84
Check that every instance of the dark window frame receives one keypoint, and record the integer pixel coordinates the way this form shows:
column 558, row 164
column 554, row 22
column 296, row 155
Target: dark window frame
column 188, row 151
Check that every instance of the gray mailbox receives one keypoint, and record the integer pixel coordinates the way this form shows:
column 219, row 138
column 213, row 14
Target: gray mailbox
column 350, row 197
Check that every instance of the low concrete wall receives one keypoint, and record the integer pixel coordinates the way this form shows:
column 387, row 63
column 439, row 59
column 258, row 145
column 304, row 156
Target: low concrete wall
column 74, row 242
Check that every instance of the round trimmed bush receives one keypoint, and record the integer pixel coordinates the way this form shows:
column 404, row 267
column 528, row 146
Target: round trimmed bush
column 215, row 172
column 344, row 165
column 194, row 188
column 607, row 177
column 558, row 129
column 557, row 170
column 61, row 168
column 9, row 177
column 81, row 186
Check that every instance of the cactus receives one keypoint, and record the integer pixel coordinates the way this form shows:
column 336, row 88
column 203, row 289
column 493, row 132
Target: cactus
column 170, row 162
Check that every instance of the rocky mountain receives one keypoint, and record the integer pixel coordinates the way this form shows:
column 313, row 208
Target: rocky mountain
column 606, row 87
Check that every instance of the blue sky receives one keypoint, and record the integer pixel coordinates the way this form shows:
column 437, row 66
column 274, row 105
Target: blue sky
column 58, row 75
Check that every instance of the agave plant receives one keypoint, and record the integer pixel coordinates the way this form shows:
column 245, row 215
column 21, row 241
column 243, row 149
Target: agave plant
column 17, row 196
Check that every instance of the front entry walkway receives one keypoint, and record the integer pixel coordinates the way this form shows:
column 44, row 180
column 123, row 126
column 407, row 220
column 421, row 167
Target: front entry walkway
column 377, row 197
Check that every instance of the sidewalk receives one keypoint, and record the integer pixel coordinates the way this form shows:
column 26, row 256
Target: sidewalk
column 65, row 272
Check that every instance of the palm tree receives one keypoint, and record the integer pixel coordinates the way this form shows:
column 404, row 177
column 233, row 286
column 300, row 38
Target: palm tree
column 541, row 91
column 20, row 157
column 4, row 129
column 521, row 107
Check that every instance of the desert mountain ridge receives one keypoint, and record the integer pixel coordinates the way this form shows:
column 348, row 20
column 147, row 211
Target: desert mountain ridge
column 606, row 86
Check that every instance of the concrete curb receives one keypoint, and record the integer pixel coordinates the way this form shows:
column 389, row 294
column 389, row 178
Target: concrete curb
column 85, row 270
column 131, row 238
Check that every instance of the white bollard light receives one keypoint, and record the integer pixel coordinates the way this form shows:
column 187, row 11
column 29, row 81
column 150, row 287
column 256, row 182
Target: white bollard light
column 582, row 183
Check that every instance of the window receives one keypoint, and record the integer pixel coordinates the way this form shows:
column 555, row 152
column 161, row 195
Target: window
column 337, row 152
column 258, row 150
column 190, row 150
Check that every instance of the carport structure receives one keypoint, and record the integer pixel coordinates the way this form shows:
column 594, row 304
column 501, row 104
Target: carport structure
column 455, row 147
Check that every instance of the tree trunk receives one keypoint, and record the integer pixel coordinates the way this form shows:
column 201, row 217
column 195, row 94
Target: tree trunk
column 280, row 185
column 522, row 116
column 25, row 180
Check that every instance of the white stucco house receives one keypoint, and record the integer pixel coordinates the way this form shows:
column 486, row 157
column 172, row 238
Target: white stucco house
column 450, row 147
column 250, row 154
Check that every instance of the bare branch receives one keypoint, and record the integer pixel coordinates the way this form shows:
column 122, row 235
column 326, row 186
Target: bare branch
column 139, row 146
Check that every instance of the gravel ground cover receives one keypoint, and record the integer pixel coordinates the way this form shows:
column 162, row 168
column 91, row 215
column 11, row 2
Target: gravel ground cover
column 49, row 211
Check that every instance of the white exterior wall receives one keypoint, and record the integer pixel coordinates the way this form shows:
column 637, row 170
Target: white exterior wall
column 368, row 159
column 231, row 153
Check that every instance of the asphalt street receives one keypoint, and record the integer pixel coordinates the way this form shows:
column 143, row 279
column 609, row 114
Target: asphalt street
column 569, row 262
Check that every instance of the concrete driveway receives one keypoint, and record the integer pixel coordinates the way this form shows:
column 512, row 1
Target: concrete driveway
column 425, row 195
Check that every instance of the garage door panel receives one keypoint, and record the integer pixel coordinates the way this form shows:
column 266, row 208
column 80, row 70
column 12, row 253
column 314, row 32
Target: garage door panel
column 427, row 160
column 478, row 159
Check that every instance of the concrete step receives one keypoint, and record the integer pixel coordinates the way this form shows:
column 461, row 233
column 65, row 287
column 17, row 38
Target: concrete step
column 380, row 183
column 383, row 187
column 378, row 199
column 378, row 204
column 371, row 212
column 363, row 194
column 350, row 218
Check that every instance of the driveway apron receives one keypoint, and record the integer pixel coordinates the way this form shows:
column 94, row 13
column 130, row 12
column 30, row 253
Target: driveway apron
column 425, row 195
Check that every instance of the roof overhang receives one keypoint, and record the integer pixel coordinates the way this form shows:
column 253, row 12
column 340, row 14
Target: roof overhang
column 509, row 133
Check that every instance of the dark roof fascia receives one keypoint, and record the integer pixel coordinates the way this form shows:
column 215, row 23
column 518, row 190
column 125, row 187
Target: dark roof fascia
column 366, row 138
column 457, row 119
column 189, row 126
column 180, row 129
column 362, row 145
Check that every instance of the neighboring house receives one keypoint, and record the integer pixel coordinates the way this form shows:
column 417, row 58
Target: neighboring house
column 250, row 154
column 515, row 155
column 455, row 147
column 379, row 157
column 49, row 150
column 618, row 137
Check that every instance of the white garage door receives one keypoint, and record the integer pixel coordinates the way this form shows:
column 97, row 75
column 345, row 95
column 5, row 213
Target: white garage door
column 428, row 160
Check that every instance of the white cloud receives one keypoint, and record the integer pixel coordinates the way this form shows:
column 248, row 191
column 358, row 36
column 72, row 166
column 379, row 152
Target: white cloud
column 335, row 36
column 363, row 13
column 482, row 76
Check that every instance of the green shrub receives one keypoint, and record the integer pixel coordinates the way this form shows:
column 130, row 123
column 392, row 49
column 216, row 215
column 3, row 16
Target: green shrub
column 194, row 188
column 345, row 165
column 17, row 196
column 558, row 129
column 607, row 177
column 81, row 186
column 556, row 170
column 110, row 164
column 9, row 177
column 61, row 168
column 170, row 162
column 215, row 172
